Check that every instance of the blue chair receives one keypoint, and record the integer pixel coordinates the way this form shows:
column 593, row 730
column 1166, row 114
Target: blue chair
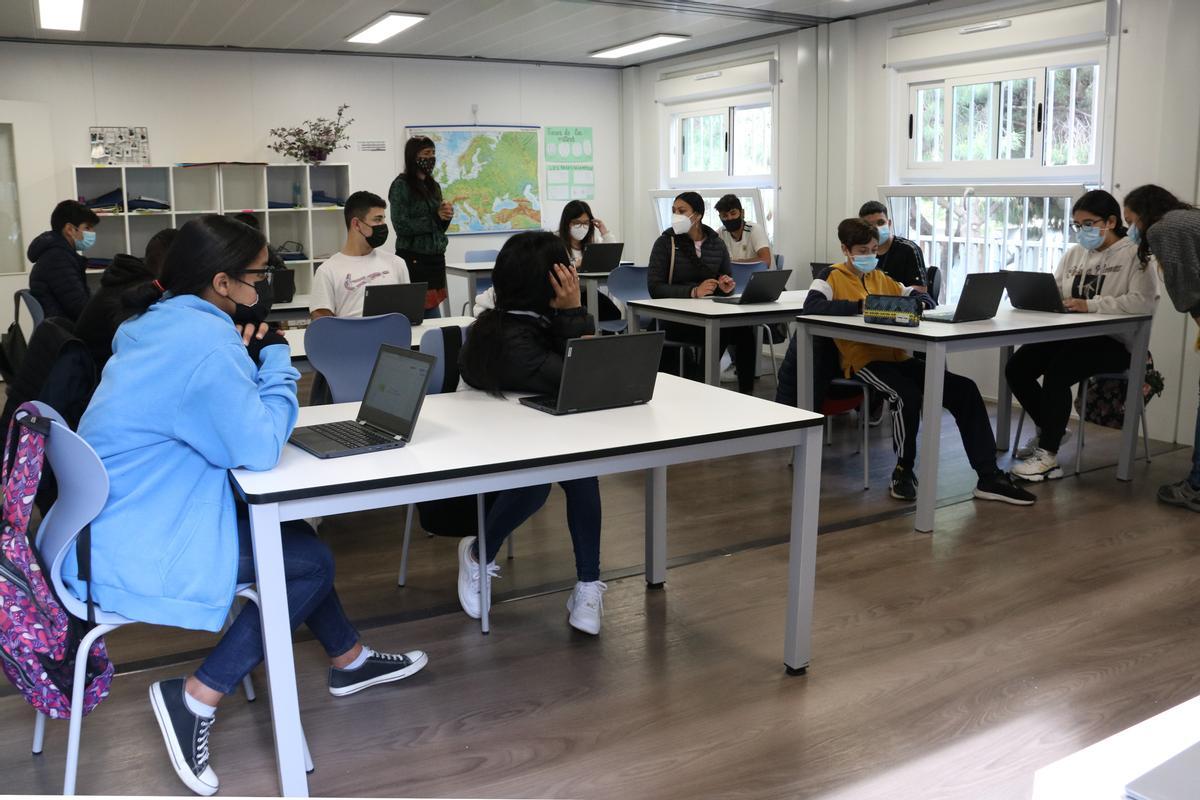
column 343, row 349
column 741, row 277
column 36, row 312
column 632, row 282
column 82, row 493
column 778, row 261
column 481, row 284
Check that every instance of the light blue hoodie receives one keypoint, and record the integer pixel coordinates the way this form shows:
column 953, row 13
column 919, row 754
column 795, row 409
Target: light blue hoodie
column 179, row 405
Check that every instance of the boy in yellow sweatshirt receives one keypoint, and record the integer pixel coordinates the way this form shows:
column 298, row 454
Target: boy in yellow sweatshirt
column 900, row 377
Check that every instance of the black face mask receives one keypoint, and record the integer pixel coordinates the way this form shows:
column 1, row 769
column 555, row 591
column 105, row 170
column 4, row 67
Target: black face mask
column 426, row 165
column 378, row 237
column 257, row 313
column 732, row 225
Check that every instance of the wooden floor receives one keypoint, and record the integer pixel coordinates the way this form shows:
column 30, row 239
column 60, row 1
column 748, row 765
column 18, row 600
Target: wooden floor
column 945, row 666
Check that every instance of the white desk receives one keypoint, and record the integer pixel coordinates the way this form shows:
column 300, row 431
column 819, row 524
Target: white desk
column 295, row 336
column 712, row 317
column 472, row 271
column 1005, row 331
column 469, row 442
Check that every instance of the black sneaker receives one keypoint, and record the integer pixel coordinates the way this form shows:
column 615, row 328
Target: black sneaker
column 904, row 484
column 186, row 736
column 379, row 668
column 1001, row 487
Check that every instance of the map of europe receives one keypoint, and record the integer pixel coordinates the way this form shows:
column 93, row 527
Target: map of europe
column 490, row 175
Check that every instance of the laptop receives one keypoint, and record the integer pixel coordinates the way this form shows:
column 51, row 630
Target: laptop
column 601, row 257
column 764, row 286
column 396, row 298
column 604, row 372
column 1177, row 778
column 388, row 412
column 979, row 299
column 1035, row 291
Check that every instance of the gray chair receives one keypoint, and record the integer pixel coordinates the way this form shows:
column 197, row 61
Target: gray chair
column 32, row 306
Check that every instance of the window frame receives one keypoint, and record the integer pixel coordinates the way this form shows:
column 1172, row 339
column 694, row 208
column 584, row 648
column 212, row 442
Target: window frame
column 677, row 178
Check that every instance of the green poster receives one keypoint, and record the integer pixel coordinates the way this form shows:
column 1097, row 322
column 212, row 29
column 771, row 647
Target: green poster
column 568, row 145
column 575, row 182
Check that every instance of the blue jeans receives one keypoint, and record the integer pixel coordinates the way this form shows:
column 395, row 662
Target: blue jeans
column 1194, row 478
column 308, row 569
column 512, row 507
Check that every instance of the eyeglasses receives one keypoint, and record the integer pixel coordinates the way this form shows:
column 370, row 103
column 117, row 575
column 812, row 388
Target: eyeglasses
column 269, row 275
column 1089, row 223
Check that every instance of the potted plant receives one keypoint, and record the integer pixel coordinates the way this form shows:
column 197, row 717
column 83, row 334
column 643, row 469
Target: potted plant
column 314, row 140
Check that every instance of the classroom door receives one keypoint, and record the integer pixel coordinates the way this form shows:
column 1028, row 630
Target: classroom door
column 26, row 180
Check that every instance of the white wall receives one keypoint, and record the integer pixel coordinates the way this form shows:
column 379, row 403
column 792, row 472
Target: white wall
column 213, row 106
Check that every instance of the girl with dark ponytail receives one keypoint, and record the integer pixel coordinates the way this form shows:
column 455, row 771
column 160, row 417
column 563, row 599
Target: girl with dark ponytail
column 198, row 386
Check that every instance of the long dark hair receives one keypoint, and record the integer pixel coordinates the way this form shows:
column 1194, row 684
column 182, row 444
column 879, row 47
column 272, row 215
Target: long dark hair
column 203, row 247
column 573, row 209
column 1150, row 203
column 1103, row 205
column 425, row 188
column 521, row 278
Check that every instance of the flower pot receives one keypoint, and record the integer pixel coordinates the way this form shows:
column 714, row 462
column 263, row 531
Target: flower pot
column 316, row 155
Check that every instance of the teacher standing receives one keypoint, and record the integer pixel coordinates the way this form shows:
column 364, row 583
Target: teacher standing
column 420, row 217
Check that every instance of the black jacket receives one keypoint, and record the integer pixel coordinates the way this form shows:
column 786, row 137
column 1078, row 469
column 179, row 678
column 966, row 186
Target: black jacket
column 689, row 270
column 104, row 312
column 58, row 280
column 533, row 347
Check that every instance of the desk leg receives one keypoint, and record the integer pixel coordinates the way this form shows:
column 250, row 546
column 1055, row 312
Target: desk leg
column 712, row 353
column 1137, row 378
column 593, row 301
column 804, row 382
column 631, row 319
column 472, row 292
column 485, row 581
column 802, row 552
column 1003, row 402
column 656, row 527
column 277, row 648
column 931, row 436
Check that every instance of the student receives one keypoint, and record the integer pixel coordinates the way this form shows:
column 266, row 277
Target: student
column 421, row 216
column 1163, row 226
column 899, row 259
column 197, row 386
column 689, row 260
column 107, row 308
column 577, row 228
column 902, row 377
column 340, row 285
column 58, row 279
column 1102, row 273
column 518, row 347
column 744, row 240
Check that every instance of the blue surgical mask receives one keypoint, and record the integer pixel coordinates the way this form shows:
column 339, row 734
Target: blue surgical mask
column 1135, row 235
column 885, row 233
column 1090, row 238
column 89, row 239
column 865, row 263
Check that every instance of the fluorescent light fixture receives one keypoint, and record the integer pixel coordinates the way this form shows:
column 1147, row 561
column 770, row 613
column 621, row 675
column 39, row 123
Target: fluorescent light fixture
column 641, row 45
column 994, row 25
column 60, row 15
column 385, row 28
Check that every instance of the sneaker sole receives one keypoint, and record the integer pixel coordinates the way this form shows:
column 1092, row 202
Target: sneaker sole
column 391, row 677
column 1003, row 498
column 577, row 625
column 463, row 591
column 173, row 749
column 902, row 498
column 1050, row 475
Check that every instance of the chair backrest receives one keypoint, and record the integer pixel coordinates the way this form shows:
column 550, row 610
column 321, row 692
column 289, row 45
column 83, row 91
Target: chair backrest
column 629, row 282
column 32, row 306
column 82, row 493
column 742, row 273
column 778, row 261
column 444, row 345
column 344, row 349
column 818, row 268
column 934, row 276
column 480, row 256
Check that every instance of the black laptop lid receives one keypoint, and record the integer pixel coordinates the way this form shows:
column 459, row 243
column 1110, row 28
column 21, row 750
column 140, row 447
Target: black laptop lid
column 766, row 285
column 1034, row 291
column 610, row 371
column 601, row 256
column 396, row 390
column 396, row 298
column 980, row 296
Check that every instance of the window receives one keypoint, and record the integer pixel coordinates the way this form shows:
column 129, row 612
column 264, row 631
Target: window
column 721, row 144
column 1071, row 104
column 928, row 140
column 702, row 141
column 12, row 255
column 752, row 140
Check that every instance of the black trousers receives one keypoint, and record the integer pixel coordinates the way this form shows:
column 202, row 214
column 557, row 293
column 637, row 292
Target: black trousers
column 742, row 340
column 1060, row 365
column 904, row 384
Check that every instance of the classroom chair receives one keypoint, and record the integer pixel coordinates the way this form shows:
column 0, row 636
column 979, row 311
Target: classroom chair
column 934, row 276
column 481, row 284
column 343, row 349
column 631, row 282
column 832, row 407
column 32, row 306
column 82, row 492
column 778, row 261
column 1083, row 393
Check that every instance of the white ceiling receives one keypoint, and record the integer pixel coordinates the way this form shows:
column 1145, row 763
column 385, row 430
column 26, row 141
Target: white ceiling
column 563, row 31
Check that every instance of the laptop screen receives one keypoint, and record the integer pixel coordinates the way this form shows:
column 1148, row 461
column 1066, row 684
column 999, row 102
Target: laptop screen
column 396, row 390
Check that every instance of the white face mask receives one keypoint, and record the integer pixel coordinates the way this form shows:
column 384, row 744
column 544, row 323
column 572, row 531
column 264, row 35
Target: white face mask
column 681, row 223
column 580, row 232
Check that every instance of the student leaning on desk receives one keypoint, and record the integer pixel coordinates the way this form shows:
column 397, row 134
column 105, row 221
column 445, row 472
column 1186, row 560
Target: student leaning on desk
column 197, row 386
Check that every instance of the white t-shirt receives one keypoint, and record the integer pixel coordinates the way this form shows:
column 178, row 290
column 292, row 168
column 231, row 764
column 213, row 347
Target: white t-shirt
column 754, row 238
column 340, row 283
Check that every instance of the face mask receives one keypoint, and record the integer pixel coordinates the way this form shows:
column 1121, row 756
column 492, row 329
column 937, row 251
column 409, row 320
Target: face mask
column 1135, row 235
column 885, row 233
column 89, row 239
column 732, row 225
column 426, row 165
column 580, row 232
column 1090, row 238
column 257, row 313
column 379, row 234
column 681, row 223
column 864, row 263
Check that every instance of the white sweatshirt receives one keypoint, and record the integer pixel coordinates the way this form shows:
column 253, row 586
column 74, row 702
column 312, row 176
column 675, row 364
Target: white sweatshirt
column 1112, row 281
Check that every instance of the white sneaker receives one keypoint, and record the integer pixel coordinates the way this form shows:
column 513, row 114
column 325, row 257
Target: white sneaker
column 468, row 578
column 729, row 375
column 1031, row 445
column 1041, row 466
column 586, row 606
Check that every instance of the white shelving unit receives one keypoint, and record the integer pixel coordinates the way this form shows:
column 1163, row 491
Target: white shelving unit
column 280, row 195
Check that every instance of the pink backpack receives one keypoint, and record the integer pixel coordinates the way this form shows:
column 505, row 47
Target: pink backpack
column 38, row 638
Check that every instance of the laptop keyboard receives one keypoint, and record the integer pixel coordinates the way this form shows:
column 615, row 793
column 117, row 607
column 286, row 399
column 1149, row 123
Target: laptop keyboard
column 351, row 434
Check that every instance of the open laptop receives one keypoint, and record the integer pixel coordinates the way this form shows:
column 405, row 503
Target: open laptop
column 764, row 286
column 979, row 299
column 388, row 412
column 1035, row 291
column 604, row 372
column 601, row 257
column 396, row 298
column 1177, row 778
